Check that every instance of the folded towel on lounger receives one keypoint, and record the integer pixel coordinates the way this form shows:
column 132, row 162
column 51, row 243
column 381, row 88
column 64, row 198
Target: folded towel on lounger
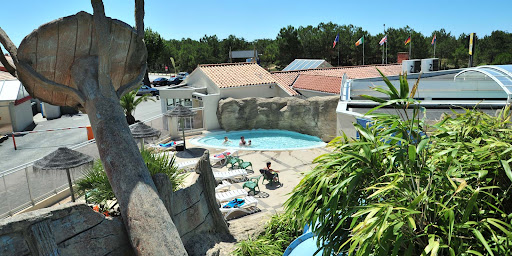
column 235, row 203
column 222, row 155
column 166, row 145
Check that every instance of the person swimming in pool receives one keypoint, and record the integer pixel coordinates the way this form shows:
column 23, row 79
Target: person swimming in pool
column 226, row 140
column 242, row 141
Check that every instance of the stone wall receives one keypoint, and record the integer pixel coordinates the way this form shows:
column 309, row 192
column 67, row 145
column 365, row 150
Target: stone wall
column 75, row 229
column 69, row 229
column 314, row 116
column 194, row 209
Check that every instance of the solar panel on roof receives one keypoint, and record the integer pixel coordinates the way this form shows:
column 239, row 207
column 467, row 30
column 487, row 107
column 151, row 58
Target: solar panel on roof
column 300, row 64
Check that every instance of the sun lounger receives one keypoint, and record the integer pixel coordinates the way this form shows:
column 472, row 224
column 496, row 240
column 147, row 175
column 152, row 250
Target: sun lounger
column 169, row 154
column 230, row 195
column 166, row 146
column 222, row 157
column 230, row 175
column 248, row 203
column 225, row 185
column 187, row 165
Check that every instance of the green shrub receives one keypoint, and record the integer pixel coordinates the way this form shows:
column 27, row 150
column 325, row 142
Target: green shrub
column 396, row 191
column 96, row 187
column 280, row 231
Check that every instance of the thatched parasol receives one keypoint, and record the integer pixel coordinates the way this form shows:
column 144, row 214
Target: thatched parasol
column 63, row 159
column 140, row 131
column 181, row 111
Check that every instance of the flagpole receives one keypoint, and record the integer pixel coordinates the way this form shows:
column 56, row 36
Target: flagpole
column 363, row 50
column 435, row 42
column 339, row 56
column 410, row 43
column 386, row 46
column 382, row 53
column 383, row 46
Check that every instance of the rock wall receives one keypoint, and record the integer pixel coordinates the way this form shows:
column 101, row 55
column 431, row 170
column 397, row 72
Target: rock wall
column 314, row 116
column 75, row 229
column 194, row 209
column 69, row 229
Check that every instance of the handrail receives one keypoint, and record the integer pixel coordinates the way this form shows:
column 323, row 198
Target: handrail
column 76, row 146
column 13, row 209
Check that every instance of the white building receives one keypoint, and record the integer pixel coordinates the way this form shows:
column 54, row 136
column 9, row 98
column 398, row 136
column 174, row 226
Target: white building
column 207, row 84
column 486, row 87
column 15, row 105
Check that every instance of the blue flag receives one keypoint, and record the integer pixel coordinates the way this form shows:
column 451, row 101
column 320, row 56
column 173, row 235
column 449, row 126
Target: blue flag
column 336, row 40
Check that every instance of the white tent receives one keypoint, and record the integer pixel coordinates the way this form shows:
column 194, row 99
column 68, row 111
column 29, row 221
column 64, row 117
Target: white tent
column 15, row 107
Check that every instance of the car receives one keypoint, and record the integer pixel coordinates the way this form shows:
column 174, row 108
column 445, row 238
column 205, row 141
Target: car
column 176, row 80
column 161, row 81
column 147, row 90
column 183, row 74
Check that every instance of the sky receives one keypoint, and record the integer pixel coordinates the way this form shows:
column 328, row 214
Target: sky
column 252, row 19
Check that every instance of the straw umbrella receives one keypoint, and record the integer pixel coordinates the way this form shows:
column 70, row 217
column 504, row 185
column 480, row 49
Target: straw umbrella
column 181, row 111
column 63, row 159
column 141, row 130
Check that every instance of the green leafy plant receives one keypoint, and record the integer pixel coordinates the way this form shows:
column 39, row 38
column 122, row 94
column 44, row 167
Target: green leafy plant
column 280, row 231
column 397, row 191
column 96, row 187
column 129, row 102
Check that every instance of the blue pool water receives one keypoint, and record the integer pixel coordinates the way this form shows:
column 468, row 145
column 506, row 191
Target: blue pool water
column 272, row 140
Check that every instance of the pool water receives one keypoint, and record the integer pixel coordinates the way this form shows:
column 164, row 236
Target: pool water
column 272, row 140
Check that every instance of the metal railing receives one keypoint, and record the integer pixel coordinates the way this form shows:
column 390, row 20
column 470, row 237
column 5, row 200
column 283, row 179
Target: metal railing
column 23, row 186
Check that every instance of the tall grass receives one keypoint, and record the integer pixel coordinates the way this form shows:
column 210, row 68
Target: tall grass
column 280, row 231
column 97, row 187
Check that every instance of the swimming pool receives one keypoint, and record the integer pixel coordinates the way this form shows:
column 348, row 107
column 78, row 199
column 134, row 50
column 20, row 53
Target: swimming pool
column 272, row 140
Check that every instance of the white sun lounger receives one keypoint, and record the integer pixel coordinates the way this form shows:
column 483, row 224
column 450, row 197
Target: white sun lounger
column 249, row 203
column 225, row 185
column 160, row 148
column 230, row 175
column 187, row 165
column 230, row 195
column 222, row 156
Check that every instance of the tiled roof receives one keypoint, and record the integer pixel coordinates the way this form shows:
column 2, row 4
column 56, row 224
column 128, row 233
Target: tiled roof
column 286, row 78
column 237, row 74
column 230, row 75
column 6, row 76
column 329, row 84
column 359, row 71
column 353, row 72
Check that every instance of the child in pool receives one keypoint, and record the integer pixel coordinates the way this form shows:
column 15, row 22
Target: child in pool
column 242, row 142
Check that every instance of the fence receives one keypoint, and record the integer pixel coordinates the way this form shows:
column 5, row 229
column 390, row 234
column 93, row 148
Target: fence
column 23, row 186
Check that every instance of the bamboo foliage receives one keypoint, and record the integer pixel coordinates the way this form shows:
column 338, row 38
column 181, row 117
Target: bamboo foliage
column 398, row 191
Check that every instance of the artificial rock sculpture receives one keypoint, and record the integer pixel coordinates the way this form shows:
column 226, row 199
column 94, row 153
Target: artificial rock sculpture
column 90, row 61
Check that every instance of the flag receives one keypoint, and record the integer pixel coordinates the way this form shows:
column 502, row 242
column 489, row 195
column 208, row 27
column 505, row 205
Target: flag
column 434, row 40
column 383, row 40
column 336, row 40
column 408, row 40
column 360, row 41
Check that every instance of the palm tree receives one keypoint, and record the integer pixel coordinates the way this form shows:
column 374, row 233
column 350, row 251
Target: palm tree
column 129, row 102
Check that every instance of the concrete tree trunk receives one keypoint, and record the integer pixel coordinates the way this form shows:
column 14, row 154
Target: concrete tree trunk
column 90, row 62
column 149, row 226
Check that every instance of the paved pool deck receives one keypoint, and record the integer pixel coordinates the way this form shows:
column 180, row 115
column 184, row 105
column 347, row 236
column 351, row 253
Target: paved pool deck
column 291, row 164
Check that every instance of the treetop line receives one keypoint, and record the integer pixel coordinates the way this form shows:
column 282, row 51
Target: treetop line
column 315, row 42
